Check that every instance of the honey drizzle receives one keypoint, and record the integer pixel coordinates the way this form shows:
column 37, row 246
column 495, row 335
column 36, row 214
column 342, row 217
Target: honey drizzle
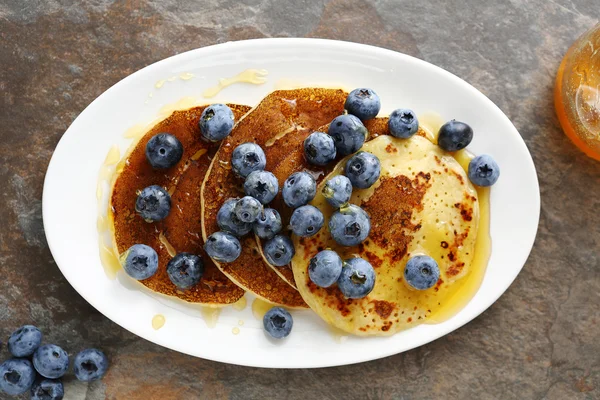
column 253, row 76
column 158, row 321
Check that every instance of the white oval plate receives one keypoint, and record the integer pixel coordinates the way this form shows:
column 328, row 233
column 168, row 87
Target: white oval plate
column 70, row 205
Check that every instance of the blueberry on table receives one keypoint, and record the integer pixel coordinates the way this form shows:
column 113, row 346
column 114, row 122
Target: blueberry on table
column 306, row 221
column 268, row 224
column 337, row 191
column 278, row 322
column 247, row 209
column 262, row 185
column 223, row 247
column 363, row 169
column 325, row 268
column 350, row 225
column 47, row 389
column 90, row 365
column 403, row 123
column 16, row 376
column 153, row 203
column 421, row 272
column 24, row 341
column 348, row 133
column 483, row 170
column 227, row 220
column 363, row 103
column 454, row 135
column 216, row 122
column 319, row 149
column 185, row 270
column 279, row 250
column 140, row 261
column 248, row 157
column 51, row 361
column 163, row 151
column 298, row 189
column 357, row 278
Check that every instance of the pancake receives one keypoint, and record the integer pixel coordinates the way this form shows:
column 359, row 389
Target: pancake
column 279, row 124
column 181, row 230
column 423, row 203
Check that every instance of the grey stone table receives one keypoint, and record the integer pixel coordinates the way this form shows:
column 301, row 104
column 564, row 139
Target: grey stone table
column 539, row 341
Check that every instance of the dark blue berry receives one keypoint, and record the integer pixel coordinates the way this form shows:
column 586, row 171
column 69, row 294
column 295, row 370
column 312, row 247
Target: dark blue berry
column 348, row 134
column 298, row 189
column 483, row 170
column 47, row 389
column 403, row 123
column 248, row 157
column 363, row 103
column 279, row 250
column 90, row 365
column 227, row 220
column 278, row 322
column 262, row 185
column 51, row 361
column 363, row 169
column 337, row 191
column 247, row 209
column 454, row 135
column 319, row 148
column 140, row 261
column 216, row 122
column 153, row 203
column 16, row 376
column 357, row 278
column 421, row 272
column 306, row 221
column 223, row 247
column 268, row 224
column 349, row 225
column 24, row 341
column 163, row 151
column 325, row 268
column 185, row 270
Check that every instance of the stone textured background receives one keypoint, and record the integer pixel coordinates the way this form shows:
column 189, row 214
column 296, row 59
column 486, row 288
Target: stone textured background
column 539, row 341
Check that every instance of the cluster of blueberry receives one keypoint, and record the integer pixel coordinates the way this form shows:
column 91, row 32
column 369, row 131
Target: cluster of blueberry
column 39, row 368
column 154, row 202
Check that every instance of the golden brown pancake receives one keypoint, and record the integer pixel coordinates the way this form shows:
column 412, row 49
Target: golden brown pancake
column 182, row 227
column 279, row 124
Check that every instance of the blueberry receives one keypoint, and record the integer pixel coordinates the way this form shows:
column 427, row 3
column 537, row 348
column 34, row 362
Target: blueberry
column 421, row 272
column 319, row 148
column 90, row 365
column 298, row 189
column 223, row 247
column 227, row 220
column 248, row 157
column 363, row 169
column 403, row 123
column 51, row 361
column 47, row 389
column 325, row 268
column 349, row 225
column 454, row 135
column 268, row 224
column 278, row 322
column 140, row 261
column 279, row 250
column 337, row 191
column 16, row 376
column 247, row 209
column 163, row 151
column 363, row 103
column 216, row 122
column 185, row 270
column 348, row 134
column 357, row 278
column 306, row 221
column 483, row 170
column 24, row 341
column 262, row 185
column 153, row 203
